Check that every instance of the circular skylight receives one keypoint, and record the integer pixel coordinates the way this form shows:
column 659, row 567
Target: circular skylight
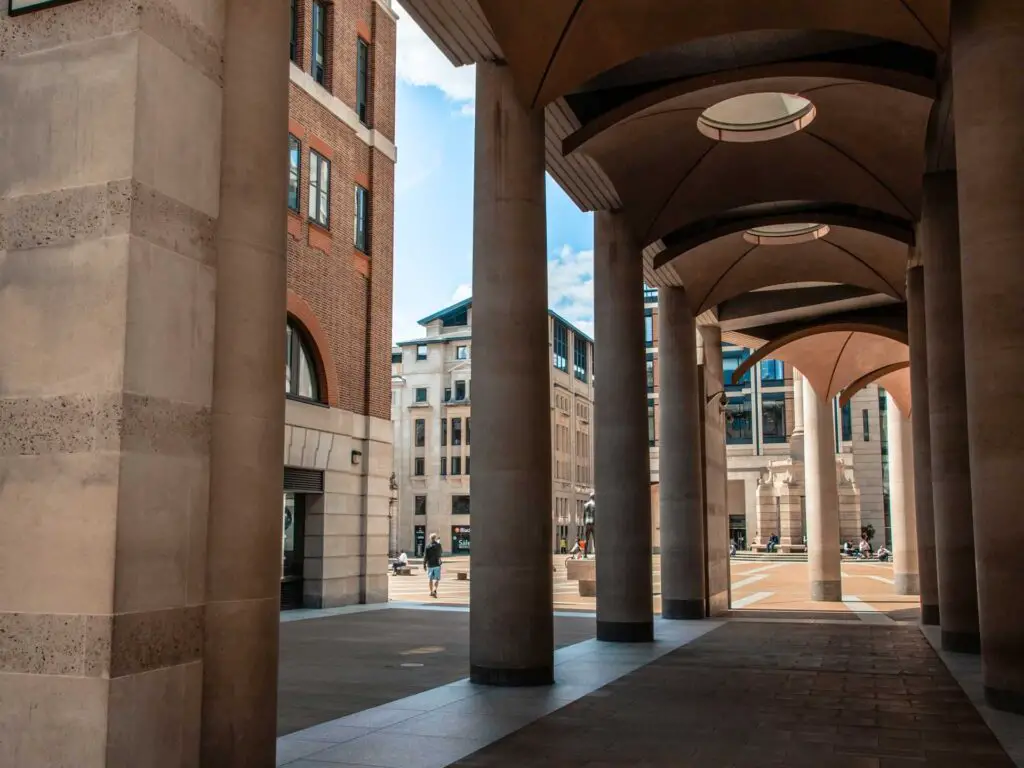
column 785, row 234
column 756, row 117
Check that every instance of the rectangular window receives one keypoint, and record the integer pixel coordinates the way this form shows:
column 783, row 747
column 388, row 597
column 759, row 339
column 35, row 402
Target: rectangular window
column 462, row 353
column 362, row 80
column 467, row 433
column 456, row 431
column 651, row 436
column 421, row 505
column 773, row 417
column 772, row 372
column 447, row 394
column 444, row 431
column 650, row 373
column 293, row 48
column 421, row 433
column 580, row 358
column 648, row 327
column 294, row 171
column 418, row 467
column 731, row 360
column 467, row 465
column 444, row 466
column 456, row 465
column 739, row 422
column 421, row 352
column 361, row 233
column 867, row 425
column 560, row 354
column 460, row 505
column 847, row 423
column 319, row 61
column 421, row 394
column 460, row 391
column 319, row 189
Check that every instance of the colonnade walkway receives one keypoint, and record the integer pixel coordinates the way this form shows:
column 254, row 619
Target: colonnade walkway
column 721, row 693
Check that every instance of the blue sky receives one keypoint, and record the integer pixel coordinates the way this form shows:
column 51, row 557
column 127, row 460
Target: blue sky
column 434, row 197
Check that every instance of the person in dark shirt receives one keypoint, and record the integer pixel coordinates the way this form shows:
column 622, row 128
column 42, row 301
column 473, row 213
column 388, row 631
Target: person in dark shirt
column 432, row 563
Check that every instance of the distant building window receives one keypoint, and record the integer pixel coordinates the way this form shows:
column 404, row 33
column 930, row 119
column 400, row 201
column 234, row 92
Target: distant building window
column 560, row 355
column 772, row 372
column 361, row 237
column 447, row 394
column 773, row 417
column 421, row 394
column 650, row 373
column 456, row 465
column 847, row 422
column 418, row 467
column 739, row 422
column 467, row 433
column 651, row 436
column 867, row 425
column 421, row 505
column 396, row 357
column 456, row 431
column 362, row 80
column 462, row 353
column 458, row 317
column 460, row 505
column 319, row 60
column 444, row 466
column 731, row 360
column 421, row 433
column 444, row 431
column 300, row 376
column 421, row 352
column 467, row 458
column 580, row 358
column 648, row 327
column 319, row 189
column 460, row 391
column 294, row 172
column 293, row 48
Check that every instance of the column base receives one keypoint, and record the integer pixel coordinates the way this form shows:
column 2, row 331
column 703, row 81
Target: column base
column 625, row 631
column 961, row 642
column 1005, row 701
column 907, row 583
column 930, row 615
column 504, row 677
column 682, row 609
column 827, row 591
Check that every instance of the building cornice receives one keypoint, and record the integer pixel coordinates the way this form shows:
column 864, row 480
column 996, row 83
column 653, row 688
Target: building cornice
column 369, row 136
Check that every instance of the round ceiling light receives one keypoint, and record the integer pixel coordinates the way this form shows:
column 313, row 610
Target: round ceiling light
column 756, row 117
column 785, row 234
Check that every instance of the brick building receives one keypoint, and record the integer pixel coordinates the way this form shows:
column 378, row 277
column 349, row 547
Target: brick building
column 340, row 240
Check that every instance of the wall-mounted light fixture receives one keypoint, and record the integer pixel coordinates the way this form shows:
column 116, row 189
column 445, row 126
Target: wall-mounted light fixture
column 357, row 456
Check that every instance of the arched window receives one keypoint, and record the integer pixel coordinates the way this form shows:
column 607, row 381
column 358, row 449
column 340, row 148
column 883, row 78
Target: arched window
column 300, row 376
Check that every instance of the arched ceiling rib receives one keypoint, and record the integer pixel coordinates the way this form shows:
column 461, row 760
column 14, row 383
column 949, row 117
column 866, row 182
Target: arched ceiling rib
column 893, row 377
column 555, row 46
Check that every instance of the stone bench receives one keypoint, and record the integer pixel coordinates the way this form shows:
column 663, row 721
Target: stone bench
column 578, row 570
column 405, row 570
column 462, row 575
column 588, row 587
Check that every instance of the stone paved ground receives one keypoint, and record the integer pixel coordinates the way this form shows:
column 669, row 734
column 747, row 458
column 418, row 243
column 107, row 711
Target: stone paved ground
column 332, row 667
column 751, row 695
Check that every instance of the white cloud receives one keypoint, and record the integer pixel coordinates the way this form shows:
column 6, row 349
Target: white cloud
column 571, row 286
column 464, row 291
column 421, row 63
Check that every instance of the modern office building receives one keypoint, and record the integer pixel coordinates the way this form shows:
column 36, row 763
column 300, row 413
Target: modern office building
column 760, row 420
column 341, row 153
column 431, row 413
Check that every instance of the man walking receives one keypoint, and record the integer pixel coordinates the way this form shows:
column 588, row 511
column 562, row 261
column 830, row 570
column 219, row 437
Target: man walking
column 432, row 563
column 589, row 536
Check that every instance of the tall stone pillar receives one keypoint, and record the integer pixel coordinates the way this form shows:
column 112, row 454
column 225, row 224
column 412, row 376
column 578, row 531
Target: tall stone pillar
column 988, row 92
column 927, row 568
column 511, row 630
column 110, row 186
column 796, row 440
column 247, row 449
column 947, row 410
column 822, row 496
column 901, row 500
column 625, row 590
column 682, row 498
column 716, row 474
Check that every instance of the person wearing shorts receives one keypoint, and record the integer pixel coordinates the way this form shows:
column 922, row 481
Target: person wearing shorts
column 432, row 563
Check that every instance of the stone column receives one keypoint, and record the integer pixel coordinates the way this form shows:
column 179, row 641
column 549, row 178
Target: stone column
column 716, row 475
column 247, row 449
column 927, row 568
column 987, row 55
column 947, row 410
column 110, row 180
column 625, row 590
column 682, row 498
column 511, row 630
column 822, row 495
column 901, row 500
column 796, row 440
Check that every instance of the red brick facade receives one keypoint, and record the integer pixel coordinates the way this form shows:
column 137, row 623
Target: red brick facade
column 348, row 291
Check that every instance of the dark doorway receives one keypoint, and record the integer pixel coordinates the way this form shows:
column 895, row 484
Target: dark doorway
column 293, row 538
column 421, row 540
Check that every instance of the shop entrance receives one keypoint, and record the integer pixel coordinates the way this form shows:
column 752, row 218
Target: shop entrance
column 301, row 488
column 460, row 539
